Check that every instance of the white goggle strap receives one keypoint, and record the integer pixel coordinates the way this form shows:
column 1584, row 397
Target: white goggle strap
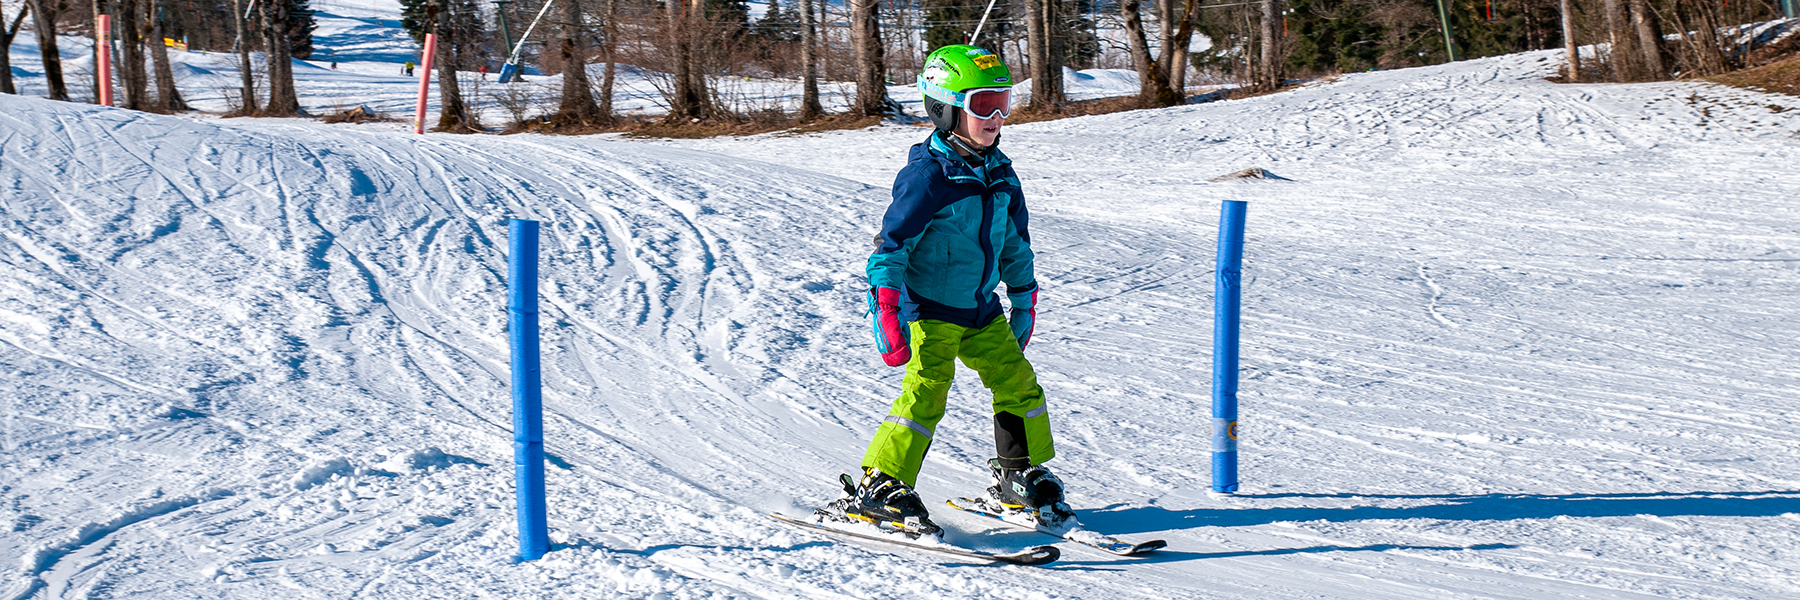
column 941, row 93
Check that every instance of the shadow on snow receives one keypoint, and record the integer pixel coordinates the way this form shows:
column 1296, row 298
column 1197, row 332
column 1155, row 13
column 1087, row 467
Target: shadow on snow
column 1486, row 507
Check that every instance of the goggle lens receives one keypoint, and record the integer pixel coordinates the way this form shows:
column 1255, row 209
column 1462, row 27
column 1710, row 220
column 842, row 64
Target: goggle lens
column 986, row 103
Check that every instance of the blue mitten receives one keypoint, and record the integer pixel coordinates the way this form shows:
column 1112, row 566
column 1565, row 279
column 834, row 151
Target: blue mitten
column 1024, row 312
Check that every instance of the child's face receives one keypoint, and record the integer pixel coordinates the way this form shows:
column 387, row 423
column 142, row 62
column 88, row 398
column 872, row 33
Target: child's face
column 981, row 131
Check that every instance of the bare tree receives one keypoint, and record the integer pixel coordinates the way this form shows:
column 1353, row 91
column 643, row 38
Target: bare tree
column 453, row 113
column 1649, row 40
column 1620, row 43
column 248, row 90
column 578, row 107
column 1268, row 74
column 6, row 38
column 1174, row 49
column 688, row 98
column 609, row 50
column 871, row 73
column 1154, row 87
column 1046, row 56
column 283, row 102
column 43, row 19
column 130, row 64
column 1571, row 51
column 809, row 65
column 168, row 98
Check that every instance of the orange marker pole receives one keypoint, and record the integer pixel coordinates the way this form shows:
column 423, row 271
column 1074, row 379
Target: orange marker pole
column 103, row 59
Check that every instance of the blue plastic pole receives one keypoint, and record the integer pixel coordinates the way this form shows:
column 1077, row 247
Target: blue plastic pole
column 1227, row 292
column 528, row 405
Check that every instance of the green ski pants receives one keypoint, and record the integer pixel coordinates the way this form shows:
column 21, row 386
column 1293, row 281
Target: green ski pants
column 900, row 443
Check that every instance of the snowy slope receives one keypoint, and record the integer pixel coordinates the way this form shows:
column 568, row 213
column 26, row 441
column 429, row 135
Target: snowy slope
column 1503, row 339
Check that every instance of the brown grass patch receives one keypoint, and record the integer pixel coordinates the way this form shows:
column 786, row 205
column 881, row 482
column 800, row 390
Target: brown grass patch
column 1779, row 73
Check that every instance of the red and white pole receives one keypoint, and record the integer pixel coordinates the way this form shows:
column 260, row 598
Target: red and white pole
column 103, row 59
column 424, row 82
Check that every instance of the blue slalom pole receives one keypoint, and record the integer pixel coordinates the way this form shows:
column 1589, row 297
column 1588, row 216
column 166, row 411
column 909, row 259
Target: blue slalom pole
column 1227, row 300
column 528, row 404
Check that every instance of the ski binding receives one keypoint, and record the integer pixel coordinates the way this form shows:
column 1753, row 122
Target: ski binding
column 1068, row 529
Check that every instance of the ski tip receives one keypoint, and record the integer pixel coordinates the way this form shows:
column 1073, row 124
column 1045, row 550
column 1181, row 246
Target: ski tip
column 1150, row 546
column 1034, row 556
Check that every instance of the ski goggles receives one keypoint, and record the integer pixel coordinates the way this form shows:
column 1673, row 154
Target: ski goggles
column 987, row 103
column 984, row 103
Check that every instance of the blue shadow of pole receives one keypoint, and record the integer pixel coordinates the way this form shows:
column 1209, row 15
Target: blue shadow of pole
column 1486, row 507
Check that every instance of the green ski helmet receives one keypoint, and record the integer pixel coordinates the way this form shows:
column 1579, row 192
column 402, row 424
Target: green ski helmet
column 952, row 70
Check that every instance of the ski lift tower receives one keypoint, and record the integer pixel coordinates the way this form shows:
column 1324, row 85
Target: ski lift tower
column 500, row 13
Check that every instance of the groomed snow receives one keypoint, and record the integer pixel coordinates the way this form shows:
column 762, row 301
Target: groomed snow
column 1503, row 339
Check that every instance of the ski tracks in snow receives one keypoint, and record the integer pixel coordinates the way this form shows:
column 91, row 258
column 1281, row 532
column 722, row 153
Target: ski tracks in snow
column 1502, row 339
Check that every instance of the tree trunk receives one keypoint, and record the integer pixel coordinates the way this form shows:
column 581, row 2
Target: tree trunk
column 168, row 98
column 283, row 102
column 809, row 65
column 94, row 47
column 6, row 38
column 865, row 35
column 578, row 107
column 1053, row 63
column 1649, row 40
column 1268, row 74
column 1177, row 60
column 1153, row 79
column 245, row 70
column 608, row 50
column 687, row 102
column 1618, row 39
column 1037, row 55
column 1045, row 56
column 1173, row 56
column 131, row 55
column 45, row 24
column 1571, row 51
column 453, row 114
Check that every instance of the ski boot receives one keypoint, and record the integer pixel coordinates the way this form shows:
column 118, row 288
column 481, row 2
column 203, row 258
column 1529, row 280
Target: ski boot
column 1034, row 490
column 884, row 501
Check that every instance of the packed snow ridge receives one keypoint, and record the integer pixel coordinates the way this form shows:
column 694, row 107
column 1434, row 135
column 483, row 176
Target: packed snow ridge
column 1503, row 339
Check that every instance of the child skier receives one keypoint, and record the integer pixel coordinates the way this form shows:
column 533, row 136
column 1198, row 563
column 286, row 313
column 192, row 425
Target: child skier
column 955, row 230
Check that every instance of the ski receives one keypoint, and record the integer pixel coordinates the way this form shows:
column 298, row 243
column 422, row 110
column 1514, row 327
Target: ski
column 1073, row 532
column 1036, row 555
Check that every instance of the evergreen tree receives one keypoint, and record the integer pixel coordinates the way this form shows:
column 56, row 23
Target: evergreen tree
column 1333, row 35
column 300, row 28
column 731, row 15
column 412, row 19
column 780, row 24
column 949, row 22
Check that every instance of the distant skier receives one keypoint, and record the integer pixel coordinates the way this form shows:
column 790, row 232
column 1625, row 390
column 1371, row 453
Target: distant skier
column 955, row 230
column 409, row 68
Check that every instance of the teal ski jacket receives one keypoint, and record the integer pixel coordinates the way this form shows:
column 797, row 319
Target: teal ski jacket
column 954, row 231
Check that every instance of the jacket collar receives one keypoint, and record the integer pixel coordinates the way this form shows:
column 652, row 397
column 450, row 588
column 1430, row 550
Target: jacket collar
column 938, row 148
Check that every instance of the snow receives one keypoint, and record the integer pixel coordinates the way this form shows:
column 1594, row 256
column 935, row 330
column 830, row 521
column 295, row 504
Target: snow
column 1503, row 339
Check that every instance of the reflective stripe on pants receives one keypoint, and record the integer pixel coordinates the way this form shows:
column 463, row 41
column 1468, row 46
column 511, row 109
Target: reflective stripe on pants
column 993, row 353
